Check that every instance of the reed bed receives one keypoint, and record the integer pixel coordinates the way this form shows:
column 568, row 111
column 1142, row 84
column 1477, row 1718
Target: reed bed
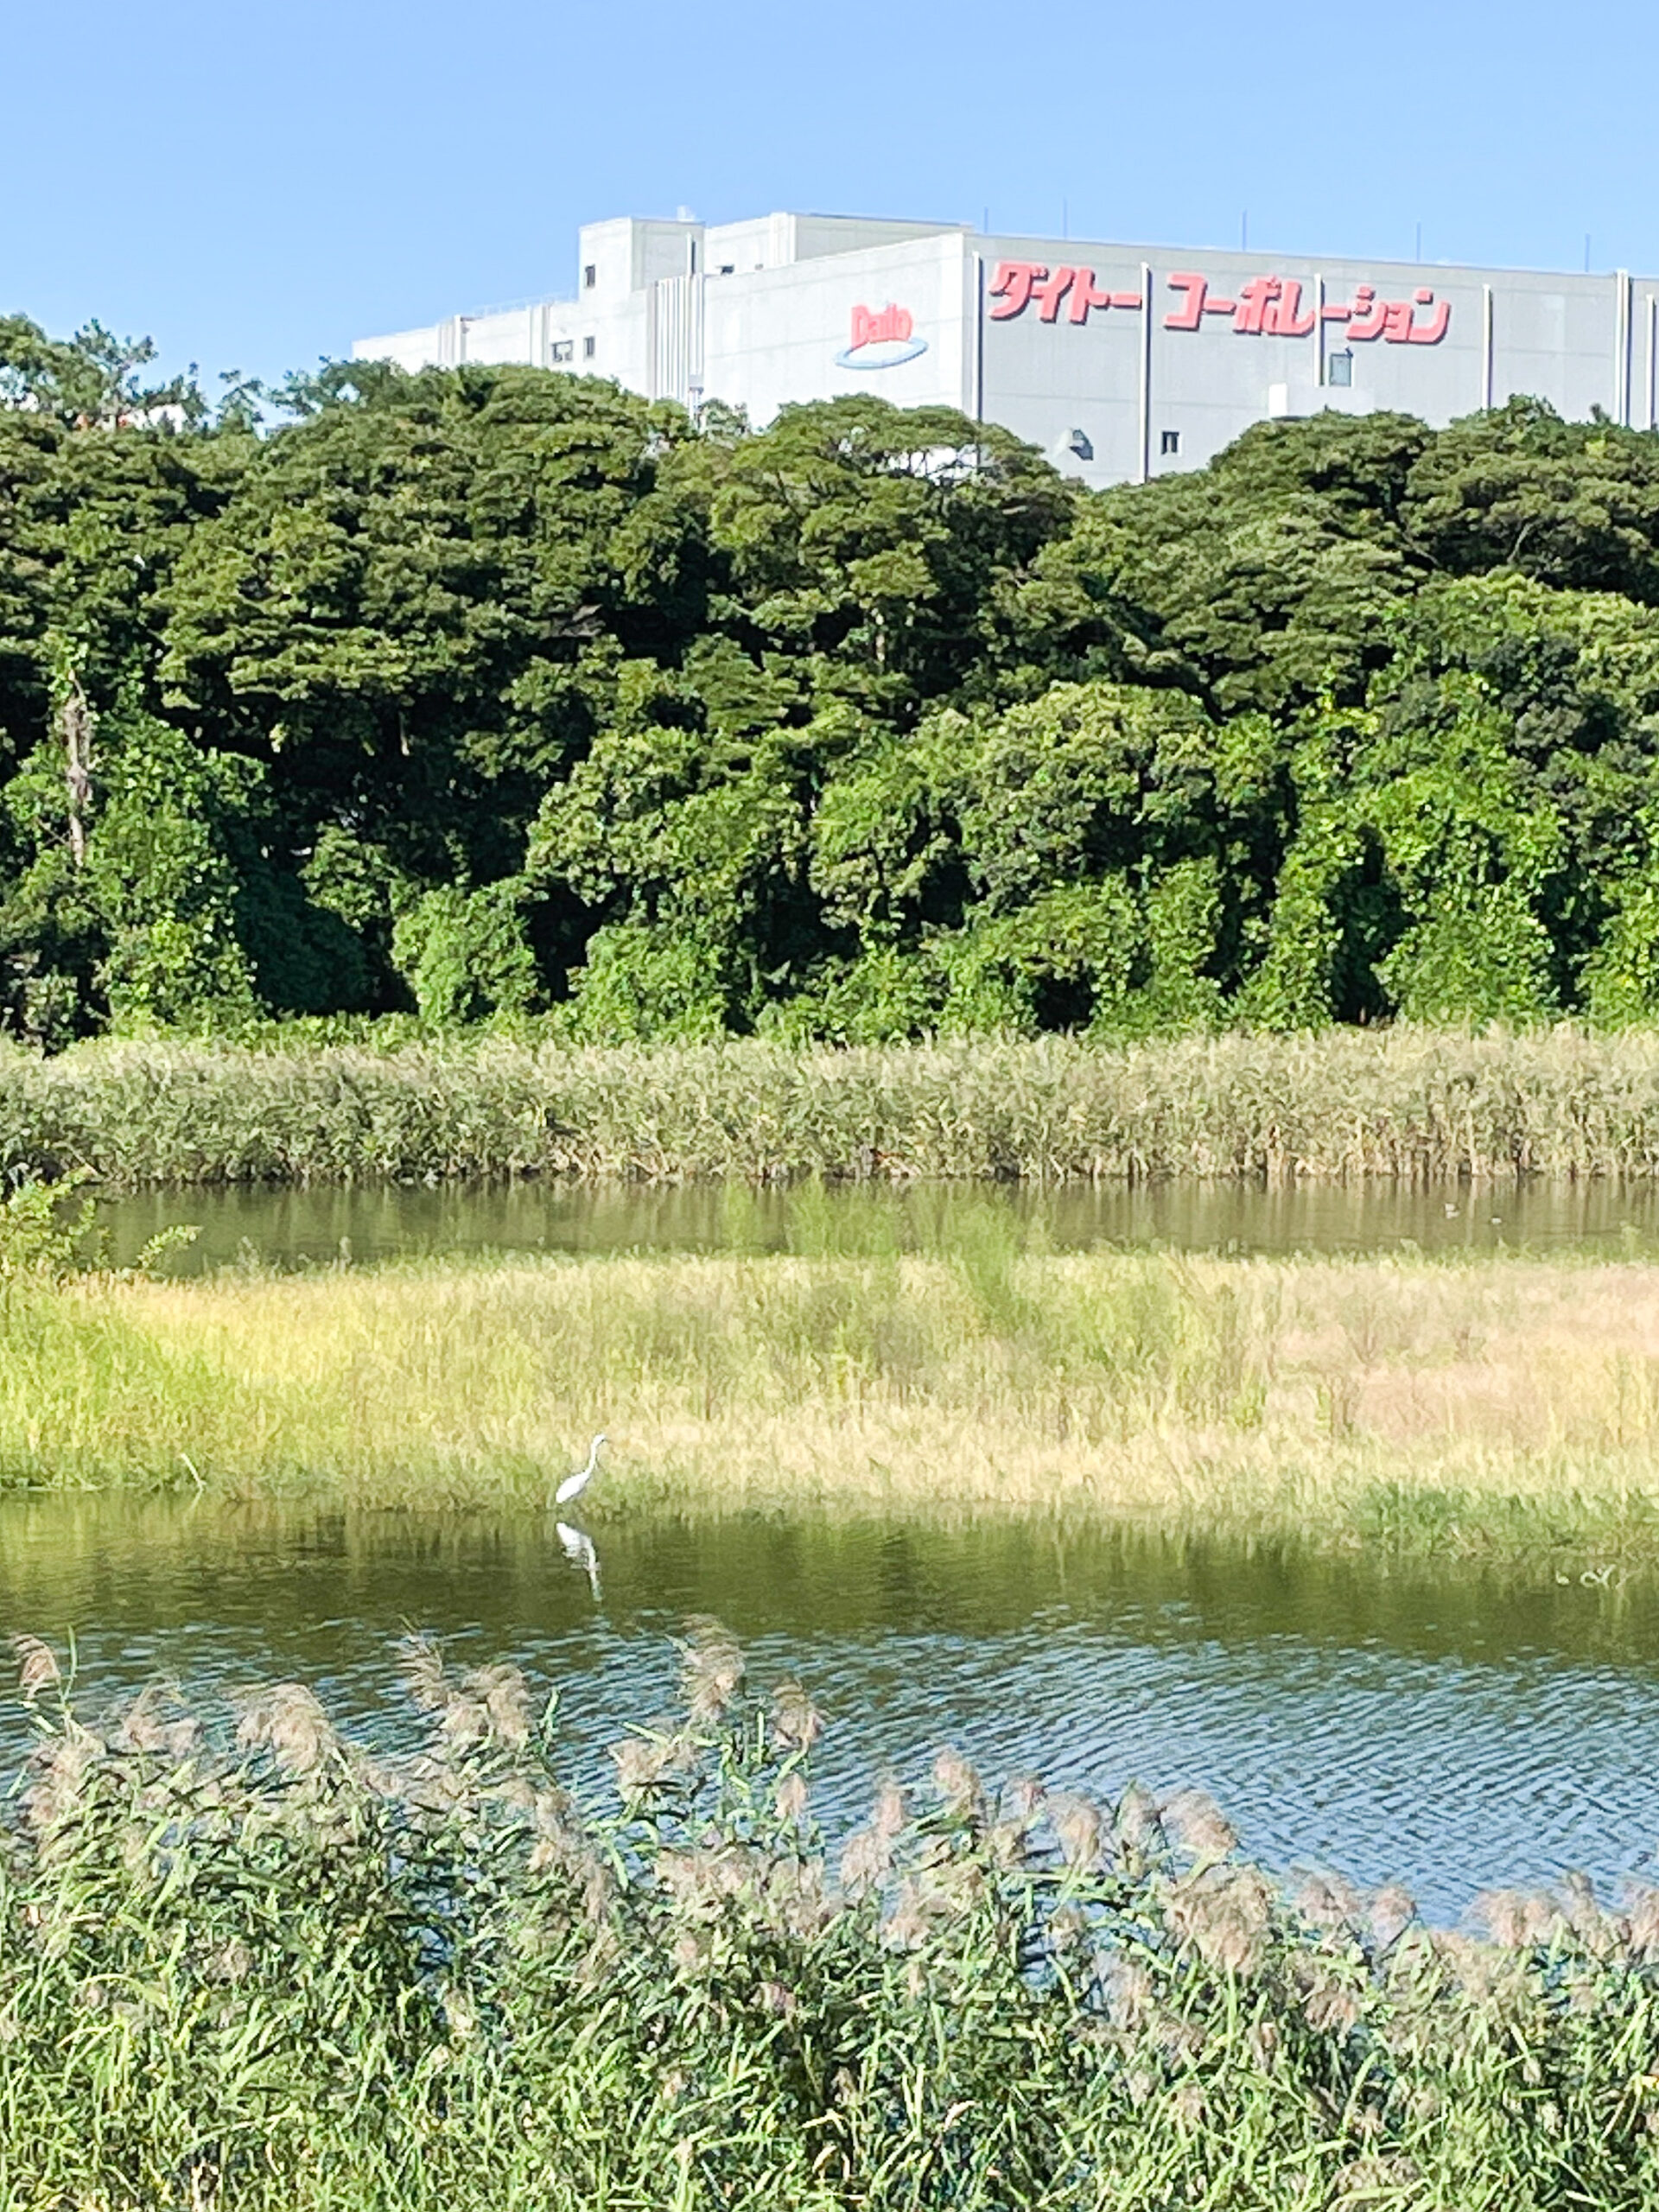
column 246, row 1962
column 1502, row 1403
column 1410, row 1103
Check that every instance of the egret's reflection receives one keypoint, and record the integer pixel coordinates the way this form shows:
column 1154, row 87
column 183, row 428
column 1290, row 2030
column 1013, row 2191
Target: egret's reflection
column 579, row 1551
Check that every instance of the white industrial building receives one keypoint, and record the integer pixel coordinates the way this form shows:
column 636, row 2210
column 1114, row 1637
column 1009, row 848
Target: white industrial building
column 1121, row 362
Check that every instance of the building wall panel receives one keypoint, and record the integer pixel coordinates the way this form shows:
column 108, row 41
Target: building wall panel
column 1112, row 386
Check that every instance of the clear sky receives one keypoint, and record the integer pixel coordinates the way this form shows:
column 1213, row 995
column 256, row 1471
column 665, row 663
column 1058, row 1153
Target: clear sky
column 256, row 187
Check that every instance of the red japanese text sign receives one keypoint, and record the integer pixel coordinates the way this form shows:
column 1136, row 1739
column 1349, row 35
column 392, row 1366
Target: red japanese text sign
column 1271, row 307
column 1018, row 283
column 1268, row 306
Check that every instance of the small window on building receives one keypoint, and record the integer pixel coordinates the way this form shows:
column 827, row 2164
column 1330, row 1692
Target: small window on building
column 587, row 349
column 589, row 277
column 1339, row 368
column 694, row 256
column 564, row 349
column 728, row 268
column 1169, row 441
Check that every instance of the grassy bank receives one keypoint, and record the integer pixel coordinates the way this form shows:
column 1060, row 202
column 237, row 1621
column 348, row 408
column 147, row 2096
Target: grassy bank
column 1506, row 1402
column 1414, row 1102
column 243, row 1963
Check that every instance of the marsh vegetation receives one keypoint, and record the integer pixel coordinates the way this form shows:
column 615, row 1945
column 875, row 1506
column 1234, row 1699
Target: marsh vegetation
column 1482, row 1402
column 1421, row 1104
column 246, row 1962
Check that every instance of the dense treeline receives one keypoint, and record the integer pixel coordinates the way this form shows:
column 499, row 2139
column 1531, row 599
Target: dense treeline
column 492, row 691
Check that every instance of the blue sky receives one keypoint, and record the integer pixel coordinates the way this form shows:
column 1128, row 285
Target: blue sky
column 256, row 189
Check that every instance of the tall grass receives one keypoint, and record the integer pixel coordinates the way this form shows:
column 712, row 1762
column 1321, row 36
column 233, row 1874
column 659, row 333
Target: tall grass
column 1509, row 1401
column 246, row 1962
column 1404, row 1103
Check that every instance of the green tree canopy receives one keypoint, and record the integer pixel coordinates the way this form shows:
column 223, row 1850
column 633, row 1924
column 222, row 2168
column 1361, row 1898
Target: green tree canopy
column 499, row 693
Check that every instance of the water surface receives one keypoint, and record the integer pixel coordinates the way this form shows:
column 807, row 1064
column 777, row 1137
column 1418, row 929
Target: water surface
column 1454, row 1727
column 365, row 1223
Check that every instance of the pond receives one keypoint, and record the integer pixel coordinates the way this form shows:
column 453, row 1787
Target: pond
column 302, row 1227
column 1451, row 1726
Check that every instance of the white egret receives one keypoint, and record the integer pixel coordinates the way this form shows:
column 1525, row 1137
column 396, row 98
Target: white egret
column 572, row 1486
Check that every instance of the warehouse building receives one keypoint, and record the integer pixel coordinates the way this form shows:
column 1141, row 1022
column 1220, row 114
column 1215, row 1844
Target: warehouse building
column 1121, row 362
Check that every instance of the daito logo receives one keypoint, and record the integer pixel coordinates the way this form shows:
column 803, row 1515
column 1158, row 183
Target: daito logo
column 881, row 338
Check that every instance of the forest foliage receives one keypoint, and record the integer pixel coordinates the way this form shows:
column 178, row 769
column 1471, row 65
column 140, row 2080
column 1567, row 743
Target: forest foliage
column 498, row 693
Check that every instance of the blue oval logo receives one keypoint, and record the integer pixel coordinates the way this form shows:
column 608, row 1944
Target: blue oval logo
column 881, row 338
column 881, row 353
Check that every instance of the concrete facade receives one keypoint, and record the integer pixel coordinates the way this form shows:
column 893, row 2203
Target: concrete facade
column 1121, row 362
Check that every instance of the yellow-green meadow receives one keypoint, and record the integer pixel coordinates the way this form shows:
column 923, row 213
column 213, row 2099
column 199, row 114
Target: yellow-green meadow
column 1472, row 1401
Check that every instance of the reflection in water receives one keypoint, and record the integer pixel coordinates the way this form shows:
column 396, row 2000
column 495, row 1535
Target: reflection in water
column 318, row 1227
column 1453, row 1726
column 580, row 1550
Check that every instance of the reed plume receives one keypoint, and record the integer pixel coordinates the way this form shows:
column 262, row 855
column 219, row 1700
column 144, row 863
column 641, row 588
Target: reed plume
column 260, row 1955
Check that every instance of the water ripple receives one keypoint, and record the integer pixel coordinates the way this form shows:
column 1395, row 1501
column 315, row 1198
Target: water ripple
column 1448, row 1728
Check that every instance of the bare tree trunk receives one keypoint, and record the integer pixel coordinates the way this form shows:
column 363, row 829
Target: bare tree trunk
column 77, row 723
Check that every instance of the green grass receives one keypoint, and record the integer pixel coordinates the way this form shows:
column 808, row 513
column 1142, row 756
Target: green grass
column 1498, row 1404
column 1414, row 1102
column 245, row 1963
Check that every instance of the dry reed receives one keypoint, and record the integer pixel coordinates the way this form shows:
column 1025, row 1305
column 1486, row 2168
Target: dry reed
column 1405, row 1103
column 246, row 1963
